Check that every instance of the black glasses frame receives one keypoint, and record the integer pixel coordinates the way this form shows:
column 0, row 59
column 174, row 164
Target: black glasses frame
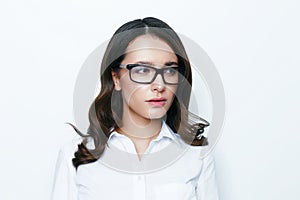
column 157, row 71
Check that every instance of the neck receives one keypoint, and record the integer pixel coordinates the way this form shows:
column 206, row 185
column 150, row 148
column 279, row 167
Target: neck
column 139, row 128
column 141, row 131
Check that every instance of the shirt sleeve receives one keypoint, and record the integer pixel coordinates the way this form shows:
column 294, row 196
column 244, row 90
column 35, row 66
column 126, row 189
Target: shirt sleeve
column 64, row 184
column 207, row 187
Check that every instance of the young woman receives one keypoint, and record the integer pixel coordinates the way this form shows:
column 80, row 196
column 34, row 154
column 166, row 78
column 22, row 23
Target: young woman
column 142, row 142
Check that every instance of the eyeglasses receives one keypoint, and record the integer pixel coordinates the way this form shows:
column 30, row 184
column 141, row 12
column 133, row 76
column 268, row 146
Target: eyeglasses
column 146, row 74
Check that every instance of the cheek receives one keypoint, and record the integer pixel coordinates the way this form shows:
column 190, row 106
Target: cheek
column 171, row 94
column 131, row 97
column 172, row 89
column 132, row 93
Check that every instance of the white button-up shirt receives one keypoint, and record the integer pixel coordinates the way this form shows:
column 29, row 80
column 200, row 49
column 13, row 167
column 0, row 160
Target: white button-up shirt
column 169, row 169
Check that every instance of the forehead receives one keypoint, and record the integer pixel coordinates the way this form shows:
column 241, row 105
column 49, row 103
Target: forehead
column 151, row 49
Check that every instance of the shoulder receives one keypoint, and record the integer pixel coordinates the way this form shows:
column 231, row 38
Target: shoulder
column 68, row 149
column 64, row 184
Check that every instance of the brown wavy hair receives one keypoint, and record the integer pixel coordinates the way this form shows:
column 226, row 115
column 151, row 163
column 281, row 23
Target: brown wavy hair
column 105, row 110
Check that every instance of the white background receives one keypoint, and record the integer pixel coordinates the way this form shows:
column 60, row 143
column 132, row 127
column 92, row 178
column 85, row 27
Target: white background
column 254, row 44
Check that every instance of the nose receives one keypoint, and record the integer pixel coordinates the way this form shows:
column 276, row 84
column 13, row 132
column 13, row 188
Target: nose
column 158, row 84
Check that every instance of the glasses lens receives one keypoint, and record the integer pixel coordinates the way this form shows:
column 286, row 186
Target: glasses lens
column 142, row 74
column 171, row 75
column 145, row 74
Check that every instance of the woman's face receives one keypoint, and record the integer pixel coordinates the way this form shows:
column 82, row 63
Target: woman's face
column 144, row 102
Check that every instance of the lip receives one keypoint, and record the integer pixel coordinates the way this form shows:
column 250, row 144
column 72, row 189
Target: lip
column 157, row 101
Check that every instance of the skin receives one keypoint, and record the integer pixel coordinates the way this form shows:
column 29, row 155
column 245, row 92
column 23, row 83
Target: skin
column 141, row 121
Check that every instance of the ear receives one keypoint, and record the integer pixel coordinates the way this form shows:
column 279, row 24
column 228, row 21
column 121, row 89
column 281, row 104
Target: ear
column 116, row 80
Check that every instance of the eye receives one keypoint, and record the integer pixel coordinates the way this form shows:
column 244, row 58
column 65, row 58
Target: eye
column 141, row 70
column 171, row 71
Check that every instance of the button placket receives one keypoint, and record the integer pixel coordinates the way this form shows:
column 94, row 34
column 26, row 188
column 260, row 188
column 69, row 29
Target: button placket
column 139, row 187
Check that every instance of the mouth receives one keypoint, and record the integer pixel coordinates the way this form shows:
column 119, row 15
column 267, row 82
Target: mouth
column 157, row 101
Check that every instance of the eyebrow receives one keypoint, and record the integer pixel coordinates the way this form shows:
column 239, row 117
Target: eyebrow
column 151, row 63
column 171, row 63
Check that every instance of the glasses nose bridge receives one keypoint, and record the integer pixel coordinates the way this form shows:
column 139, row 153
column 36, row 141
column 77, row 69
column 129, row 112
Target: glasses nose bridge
column 161, row 73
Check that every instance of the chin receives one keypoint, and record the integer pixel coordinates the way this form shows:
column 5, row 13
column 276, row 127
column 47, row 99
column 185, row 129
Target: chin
column 156, row 115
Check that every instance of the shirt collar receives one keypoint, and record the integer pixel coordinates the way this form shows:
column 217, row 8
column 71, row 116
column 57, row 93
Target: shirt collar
column 165, row 132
